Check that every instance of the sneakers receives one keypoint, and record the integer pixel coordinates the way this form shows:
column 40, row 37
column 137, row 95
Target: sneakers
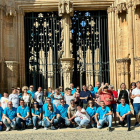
column 93, row 125
column 78, row 127
column 45, row 128
column 110, row 129
column 136, row 124
column 34, row 128
column 7, row 129
column 52, row 128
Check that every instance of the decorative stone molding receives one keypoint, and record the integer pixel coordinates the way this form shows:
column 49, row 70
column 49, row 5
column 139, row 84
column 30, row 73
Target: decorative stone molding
column 135, row 4
column 111, row 9
column 65, row 6
column 120, row 60
column 10, row 8
column 121, row 7
column 12, row 65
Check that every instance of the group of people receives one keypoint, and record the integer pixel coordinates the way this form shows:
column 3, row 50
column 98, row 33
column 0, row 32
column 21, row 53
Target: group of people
column 51, row 109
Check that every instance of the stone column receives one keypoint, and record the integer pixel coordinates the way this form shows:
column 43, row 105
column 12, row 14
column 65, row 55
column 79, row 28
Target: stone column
column 12, row 74
column 66, row 11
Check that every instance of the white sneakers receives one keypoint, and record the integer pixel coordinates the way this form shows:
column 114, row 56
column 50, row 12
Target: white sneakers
column 7, row 129
column 45, row 128
column 34, row 128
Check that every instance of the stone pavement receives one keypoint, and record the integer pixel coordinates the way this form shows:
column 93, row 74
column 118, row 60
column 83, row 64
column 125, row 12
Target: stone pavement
column 118, row 133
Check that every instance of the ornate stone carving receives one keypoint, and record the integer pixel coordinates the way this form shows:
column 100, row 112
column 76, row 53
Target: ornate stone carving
column 135, row 4
column 121, row 7
column 11, row 65
column 65, row 6
column 10, row 8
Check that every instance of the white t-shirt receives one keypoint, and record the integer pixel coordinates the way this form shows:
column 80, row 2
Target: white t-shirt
column 82, row 116
column 14, row 98
column 4, row 102
column 68, row 98
column 26, row 98
column 38, row 96
column 136, row 91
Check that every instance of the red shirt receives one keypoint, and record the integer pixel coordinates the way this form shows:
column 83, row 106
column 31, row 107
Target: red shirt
column 115, row 95
column 104, row 96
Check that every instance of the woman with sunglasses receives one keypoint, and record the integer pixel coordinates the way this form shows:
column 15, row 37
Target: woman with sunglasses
column 19, row 92
column 77, row 96
column 91, row 111
column 133, row 86
column 49, row 118
column 36, row 113
column 57, row 96
column 28, row 100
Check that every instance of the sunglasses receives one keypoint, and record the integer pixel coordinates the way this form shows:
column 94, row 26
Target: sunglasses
column 60, row 88
column 9, row 104
column 72, row 103
column 18, row 89
column 78, row 89
column 49, row 106
column 31, row 87
column 62, row 102
column 35, row 103
column 25, row 89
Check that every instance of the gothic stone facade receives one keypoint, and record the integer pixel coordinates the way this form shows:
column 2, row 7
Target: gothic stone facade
column 123, row 29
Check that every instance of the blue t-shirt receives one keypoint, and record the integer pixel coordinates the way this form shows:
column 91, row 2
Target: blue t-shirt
column 32, row 93
column 19, row 96
column 123, row 109
column 101, row 112
column 92, row 93
column 62, row 93
column 0, row 96
column 49, row 114
column 91, row 111
column 46, row 105
column 62, row 110
column 95, row 89
column 23, row 111
column 1, row 112
column 36, row 112
column 11, row 114
column 73, row 91
column 50, row 97
column 85, row 94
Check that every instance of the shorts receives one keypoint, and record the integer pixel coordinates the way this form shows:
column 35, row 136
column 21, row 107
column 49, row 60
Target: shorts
column 136, row 107
column 114, row 108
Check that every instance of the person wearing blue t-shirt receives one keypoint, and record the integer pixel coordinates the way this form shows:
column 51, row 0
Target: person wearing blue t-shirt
column 19, row 92
column 36, row 113
column 49, row 118
column 97, row 87
column 91, row 111
column 31, row 91
column 1, row 113
column 23, row 113
column 105, row 115
column 0, row 96
column 9, row 116
column 61, row 112
column 61, row 88
column 124, row 113
column 73, row 90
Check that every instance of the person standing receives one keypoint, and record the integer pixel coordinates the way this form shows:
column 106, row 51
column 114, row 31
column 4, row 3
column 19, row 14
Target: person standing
column 136, row 101
column 45, row 95
column 9, row 116
column 57, row 96
column 14, row 98
column 31, row 91
column 77, row 96
column 68, row 96
column 81, row 117
column 123, row 112
column 97, row 87
column 123, row 92
column 91, row 110
column 114, row 102
column 73, row 90
column 28, row 100
column 61, row 90
column 90, row 88
column 4, row 100
column 38, row 96
column 23, row 113
column 19, row 92
column 105, row 115
column 1, row 114
column 133, row 86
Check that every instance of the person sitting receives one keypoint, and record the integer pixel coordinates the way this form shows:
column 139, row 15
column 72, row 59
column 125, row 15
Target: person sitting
column 124, row 113
column 105, row 115
column 91, row 110
column 9, row 116
column 4, row 100
column 36, row 113
column 71, row 112
column 23, row 114
column 49, row 118
column 61, row 112
column 1, row 114
column 81, row 118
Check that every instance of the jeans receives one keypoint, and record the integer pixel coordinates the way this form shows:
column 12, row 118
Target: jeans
column 136, row 107
column 35, row 121
column 82, row 122
column 64, row 120
column 47, row 123
column 12, row 124
column 127, row 118
column 105, row 120
column 1, row 127
column 26, row 122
